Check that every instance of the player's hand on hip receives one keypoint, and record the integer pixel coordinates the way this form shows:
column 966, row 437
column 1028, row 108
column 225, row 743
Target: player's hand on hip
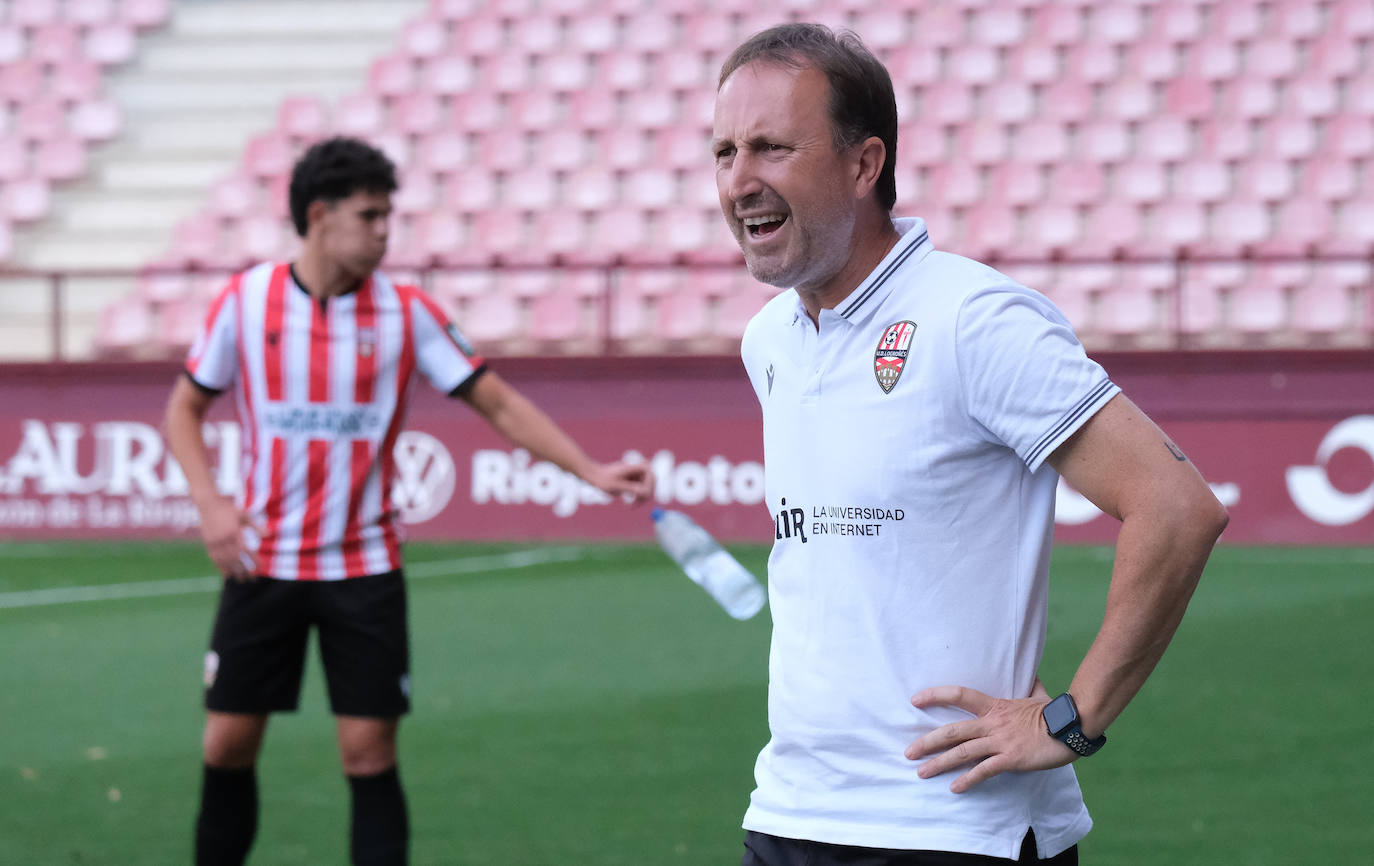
column 1006, row 735
column 222, row 527
column 633, row 482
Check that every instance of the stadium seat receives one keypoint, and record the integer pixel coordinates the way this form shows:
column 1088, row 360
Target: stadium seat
column 531, row 189
column 448, row 74
column 14, row 159
column 419, row 113
column 54, row 44
column 1259, row 306
column 1076, row 183
column 1201, row 180
column 34, row 13
column 392, row 77
column 269, row 155
column 1155, row 60
column 1128, row 98
column 25, row 200
column 1110, row 228
column 558, row 318
column 1104, row 141
column 303, row 118
column 424, row 38
column 1237, row 225
column 492, row 318
column 145, row 14
column 99, row 120
column 41, row 120
column 359, row 114
column 1018, row 184
column 1265, row 180
column 88, row 13
column 109, row 44
column 470, row 190
column 417, row 191
column 234, row 196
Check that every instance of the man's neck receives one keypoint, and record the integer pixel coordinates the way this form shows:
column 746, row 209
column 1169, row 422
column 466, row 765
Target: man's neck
column 319, row 278
column 864, row 260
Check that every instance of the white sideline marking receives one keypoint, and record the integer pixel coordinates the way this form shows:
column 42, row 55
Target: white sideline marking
column 187, row 586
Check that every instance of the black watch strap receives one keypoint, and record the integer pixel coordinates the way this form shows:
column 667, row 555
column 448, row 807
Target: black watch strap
column 1062, row 722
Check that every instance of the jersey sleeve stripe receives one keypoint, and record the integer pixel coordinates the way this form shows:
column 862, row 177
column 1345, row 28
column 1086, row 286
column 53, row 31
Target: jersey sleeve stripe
column 1070, row 422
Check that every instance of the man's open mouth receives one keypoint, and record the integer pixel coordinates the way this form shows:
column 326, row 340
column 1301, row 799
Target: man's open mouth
column 765, row 225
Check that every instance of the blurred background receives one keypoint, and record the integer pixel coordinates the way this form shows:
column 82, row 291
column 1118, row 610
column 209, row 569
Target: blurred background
column 1175, row 174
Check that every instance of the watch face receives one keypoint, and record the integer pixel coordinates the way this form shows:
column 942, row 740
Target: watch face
column 1060, row 713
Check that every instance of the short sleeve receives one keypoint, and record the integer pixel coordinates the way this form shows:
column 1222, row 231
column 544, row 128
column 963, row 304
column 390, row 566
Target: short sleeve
column 212, row 362
column 1026, row 378
column 442, row 354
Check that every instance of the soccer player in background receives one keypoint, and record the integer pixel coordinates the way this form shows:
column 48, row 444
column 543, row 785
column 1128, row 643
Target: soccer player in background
column 919, row 409
column 320, row 354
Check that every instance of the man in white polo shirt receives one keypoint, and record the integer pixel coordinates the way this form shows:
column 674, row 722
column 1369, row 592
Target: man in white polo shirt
column 918, row 411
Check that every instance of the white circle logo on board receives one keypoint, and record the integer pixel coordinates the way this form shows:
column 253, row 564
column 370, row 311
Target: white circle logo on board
column 1311, row 488
column 425, row 476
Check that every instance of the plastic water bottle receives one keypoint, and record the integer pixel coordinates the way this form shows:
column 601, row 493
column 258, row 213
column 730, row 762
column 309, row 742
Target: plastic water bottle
column 708, row 564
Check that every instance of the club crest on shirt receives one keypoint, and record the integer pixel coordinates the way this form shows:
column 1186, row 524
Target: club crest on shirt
column 367, row 341
column 889, row 359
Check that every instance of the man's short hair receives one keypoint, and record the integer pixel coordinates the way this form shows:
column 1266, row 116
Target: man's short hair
column 862, row 103
column 335, row 168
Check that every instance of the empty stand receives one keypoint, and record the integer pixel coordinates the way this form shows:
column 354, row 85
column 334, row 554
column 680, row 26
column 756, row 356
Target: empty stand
column 557, row 132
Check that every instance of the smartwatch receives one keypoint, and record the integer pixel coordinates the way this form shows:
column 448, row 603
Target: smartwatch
column 1061, row 717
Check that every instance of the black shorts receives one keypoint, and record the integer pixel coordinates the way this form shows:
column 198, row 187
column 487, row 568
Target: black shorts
column 760, row 849
column 257, row 650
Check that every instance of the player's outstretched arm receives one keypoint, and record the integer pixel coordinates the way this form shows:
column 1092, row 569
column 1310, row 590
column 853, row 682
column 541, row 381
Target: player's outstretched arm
column 524, row 424
column 1170, row 520
column 221, row 522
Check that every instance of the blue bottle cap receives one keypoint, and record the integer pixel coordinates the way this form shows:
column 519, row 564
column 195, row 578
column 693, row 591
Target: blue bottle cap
column 656, row 514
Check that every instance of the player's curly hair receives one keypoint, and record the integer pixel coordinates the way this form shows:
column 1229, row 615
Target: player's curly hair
column 862, row 102
column 334, row 169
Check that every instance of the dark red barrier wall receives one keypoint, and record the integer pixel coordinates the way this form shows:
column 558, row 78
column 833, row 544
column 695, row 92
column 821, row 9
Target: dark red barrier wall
column 1287, row 439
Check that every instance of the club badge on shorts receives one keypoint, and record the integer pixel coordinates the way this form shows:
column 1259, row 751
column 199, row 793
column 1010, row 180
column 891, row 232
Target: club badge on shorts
column 890, row 357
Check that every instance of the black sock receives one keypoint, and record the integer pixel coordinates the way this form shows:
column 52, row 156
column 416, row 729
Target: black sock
column 228, row 818
column 381, row 830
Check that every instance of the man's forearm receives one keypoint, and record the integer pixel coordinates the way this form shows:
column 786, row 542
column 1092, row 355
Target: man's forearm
column 1160, row 555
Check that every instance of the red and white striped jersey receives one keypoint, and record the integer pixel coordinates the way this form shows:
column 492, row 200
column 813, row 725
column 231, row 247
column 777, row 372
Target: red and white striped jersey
column 321, row 392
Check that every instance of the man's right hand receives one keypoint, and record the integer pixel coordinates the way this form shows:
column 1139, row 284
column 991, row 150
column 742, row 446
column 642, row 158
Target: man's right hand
column 221, row 527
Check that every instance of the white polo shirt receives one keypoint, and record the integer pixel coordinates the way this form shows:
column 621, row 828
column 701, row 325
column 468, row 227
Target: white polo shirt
column 904, row 444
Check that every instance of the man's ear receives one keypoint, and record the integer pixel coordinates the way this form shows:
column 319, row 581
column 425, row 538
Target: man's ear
column 314, row 213
column 872, row 156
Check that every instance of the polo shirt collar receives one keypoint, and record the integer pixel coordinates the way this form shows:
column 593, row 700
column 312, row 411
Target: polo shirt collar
column 912, row 246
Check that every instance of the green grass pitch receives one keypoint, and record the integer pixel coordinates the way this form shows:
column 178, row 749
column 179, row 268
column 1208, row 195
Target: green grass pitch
column 599, row 709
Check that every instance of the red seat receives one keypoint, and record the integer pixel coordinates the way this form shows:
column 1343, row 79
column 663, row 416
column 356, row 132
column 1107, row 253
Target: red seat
column 982, row 143
column 1154, row 59
column 1349, row 137
column 13, row 45
column 531, row 189
column 1111, row 227
column 955, row 185
column 145, row 14
column 1032, row 62
column 565, row 72
column 109, row 44
column 595, row 32
column 1226, row 138
column 650, row 109
column 1251, row 98
column 261, row 238
column 557, row 317
column 1058, row 24
column 1009, row 102
column 53, row 43
column 1175, row 227
column 1140, row 181
column 41, row 120
column 1093, row 62
column 1188, row 98
column 1265, row 180
column 1354, row 229
column 594, row 108
column 418, row 113
column 269, row 155
column 1271, row 58
column 477, row 110
column 470, row 190
column 1104, row 141
column 424, row 38
column 480, row 35
column 234, row 196
column 1115, row 24
column 95, row 121
column 304, row 118
column 1000, row 26
column 443, row 151
column 88, row 13
column 417, row 191
column 1237, row 226
column 506, row 73
column 1312, row 97
column 1164, row 139
column 648, row 31
column 1202, row 180
column 1078, row 183
column 14, row 159
column 359, row 114
column 1328, row 180
column 34, row 13
column 624, row 147
column 392, row 77
column 25, row 200
column 1018, row 183
column 448, row 74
